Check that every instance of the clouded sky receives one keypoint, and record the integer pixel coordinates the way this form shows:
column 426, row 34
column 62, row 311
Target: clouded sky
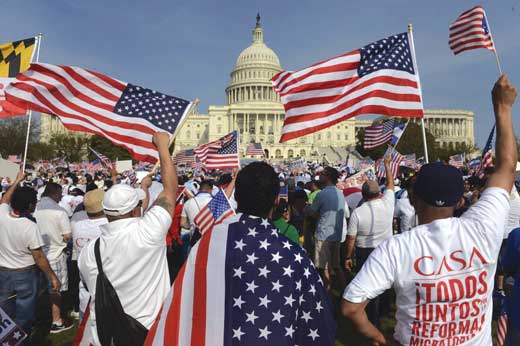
column 188, row 48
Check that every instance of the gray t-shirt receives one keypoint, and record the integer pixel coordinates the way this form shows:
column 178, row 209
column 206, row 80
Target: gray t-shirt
column 330, row 204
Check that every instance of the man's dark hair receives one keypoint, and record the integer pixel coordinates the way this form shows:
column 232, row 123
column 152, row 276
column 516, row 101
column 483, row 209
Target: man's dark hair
column 22, row 199
column 332, row 173
column 206, row 184
column 300, row 184
column 225, row 179
column 51, row 189
column 256, row 189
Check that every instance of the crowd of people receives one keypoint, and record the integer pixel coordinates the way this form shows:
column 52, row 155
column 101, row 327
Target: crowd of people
column 438, row 245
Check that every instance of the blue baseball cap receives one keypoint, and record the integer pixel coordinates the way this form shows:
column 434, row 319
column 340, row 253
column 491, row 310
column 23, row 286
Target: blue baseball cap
column 439, row 185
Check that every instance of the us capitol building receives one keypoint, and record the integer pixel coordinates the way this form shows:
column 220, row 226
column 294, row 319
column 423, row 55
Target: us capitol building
column 254, row 109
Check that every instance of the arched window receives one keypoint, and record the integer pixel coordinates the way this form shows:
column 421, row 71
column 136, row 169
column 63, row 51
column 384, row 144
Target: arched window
column 188, row 134
column 302, row 153
column 290, row 153
column 278, row 153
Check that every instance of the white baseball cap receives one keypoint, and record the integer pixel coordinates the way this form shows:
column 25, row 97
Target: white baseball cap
column 121, row 199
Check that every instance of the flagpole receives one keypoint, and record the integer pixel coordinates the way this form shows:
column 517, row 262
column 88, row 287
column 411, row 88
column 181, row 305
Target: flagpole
column 412, row 46
column 40, row 35
column 499, row 65
column 172, row 138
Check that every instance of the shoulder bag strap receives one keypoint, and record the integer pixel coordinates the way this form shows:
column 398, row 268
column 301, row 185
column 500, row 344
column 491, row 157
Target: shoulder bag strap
column 98, row 256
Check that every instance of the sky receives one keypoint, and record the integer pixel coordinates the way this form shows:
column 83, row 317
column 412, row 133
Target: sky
column 188, row 48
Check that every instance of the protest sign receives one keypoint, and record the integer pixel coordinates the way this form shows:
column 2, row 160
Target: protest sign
column 124, row 165
column 10, row 333
column 357, row 179
column 8, row 169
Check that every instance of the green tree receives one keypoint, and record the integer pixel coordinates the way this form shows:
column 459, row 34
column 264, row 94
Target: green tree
column 13, row 132
column 41, row 151
column 72, row 146
column 107, row 148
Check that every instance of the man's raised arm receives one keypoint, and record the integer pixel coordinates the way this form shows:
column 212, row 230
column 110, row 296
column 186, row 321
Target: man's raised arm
column 166, row 198
column 504, row 95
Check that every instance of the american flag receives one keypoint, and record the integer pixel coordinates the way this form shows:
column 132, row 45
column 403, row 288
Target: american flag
column 380, row 78
column 470, row 31
column 244, row 284
column 220, row 154
column 255, row 149
column 105, row 161
column 397, row 133
column 132, row 178
column 184, row 157
column 502, row 323
column 487, row 154
column 457, row 160
column 365, row 163
column 395, row 162
column 474, row 163
column 216, row 211
column 409, row 161
column 378, row 134
column 87, row 101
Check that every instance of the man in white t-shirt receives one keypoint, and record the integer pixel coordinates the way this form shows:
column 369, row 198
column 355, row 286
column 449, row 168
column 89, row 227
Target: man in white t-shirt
column 132, row 248
column 53, row 222
column 194, row 205
column 21, row 255
column 443, row 269
column 369, row 225
column 84, row 231
column 404, row 210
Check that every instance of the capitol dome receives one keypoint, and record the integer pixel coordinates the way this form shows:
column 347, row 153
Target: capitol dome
column 254, row 68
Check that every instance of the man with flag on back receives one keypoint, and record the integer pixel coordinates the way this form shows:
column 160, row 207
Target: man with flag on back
column 443, row 269
column 244, row 283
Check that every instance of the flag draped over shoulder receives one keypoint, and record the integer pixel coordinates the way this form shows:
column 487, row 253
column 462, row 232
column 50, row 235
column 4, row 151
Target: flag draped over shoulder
column 470, row 31
column 380, row 78
column 128, row 115
column 15, row 57
column 242, row 284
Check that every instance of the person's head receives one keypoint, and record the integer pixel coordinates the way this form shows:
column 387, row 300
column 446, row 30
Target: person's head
column 23, row 199
column 206, row 186
column 298, row 200
column 225, row 179
column 122, row 201
column 329, row 176
column 467, row 186
column 313, row 185
column 53, row 191
column 281, row 210
column 93, row 202
column 301, row 185
column 437, row 192
column 256, row 189
column 370, row 190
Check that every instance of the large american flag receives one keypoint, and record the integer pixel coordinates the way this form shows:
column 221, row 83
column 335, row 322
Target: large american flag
column 487, row 153
column 457, row 160
column 380, row 78
column 220, row 154
column 395, row 162
column 245, row 284
column 87, row 101
column 470, row 31
column 255, row 149
column 378, row 134
column 213, row 213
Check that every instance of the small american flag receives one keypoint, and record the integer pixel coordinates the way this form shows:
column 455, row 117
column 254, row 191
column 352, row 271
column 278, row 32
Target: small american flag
column 380, row 78
column 379, row 134
column 409, row 161
column 502, row 323
column 245, row 284
column 186, row 157
column 395, row 162
column 474, row 163
column 105, row 161
column 216, row 211
column 470, row 31
column 457, row 160
column 128, row 115
column 255, row 149
column 220, row 154
column 487, row 153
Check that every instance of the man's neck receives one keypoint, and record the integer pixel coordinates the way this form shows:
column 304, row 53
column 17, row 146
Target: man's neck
column 431, row 217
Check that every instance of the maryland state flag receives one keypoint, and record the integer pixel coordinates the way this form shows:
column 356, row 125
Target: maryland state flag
column 15, row 57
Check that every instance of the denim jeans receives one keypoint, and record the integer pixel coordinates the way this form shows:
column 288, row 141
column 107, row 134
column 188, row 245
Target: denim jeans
column 23, row 284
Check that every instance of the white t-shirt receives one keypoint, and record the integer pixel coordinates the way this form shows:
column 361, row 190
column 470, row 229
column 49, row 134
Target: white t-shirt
column 371, row 222
column 53, row 222
column 513, row 217
column 83, row 232
column 443, row 275
column 133, row 254
column 405, row 212
column 192, row 206
column 18, row 236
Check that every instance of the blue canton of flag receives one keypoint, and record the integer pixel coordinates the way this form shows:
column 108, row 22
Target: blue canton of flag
column 389, row 53
column 161, row 110
column 274, row 293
